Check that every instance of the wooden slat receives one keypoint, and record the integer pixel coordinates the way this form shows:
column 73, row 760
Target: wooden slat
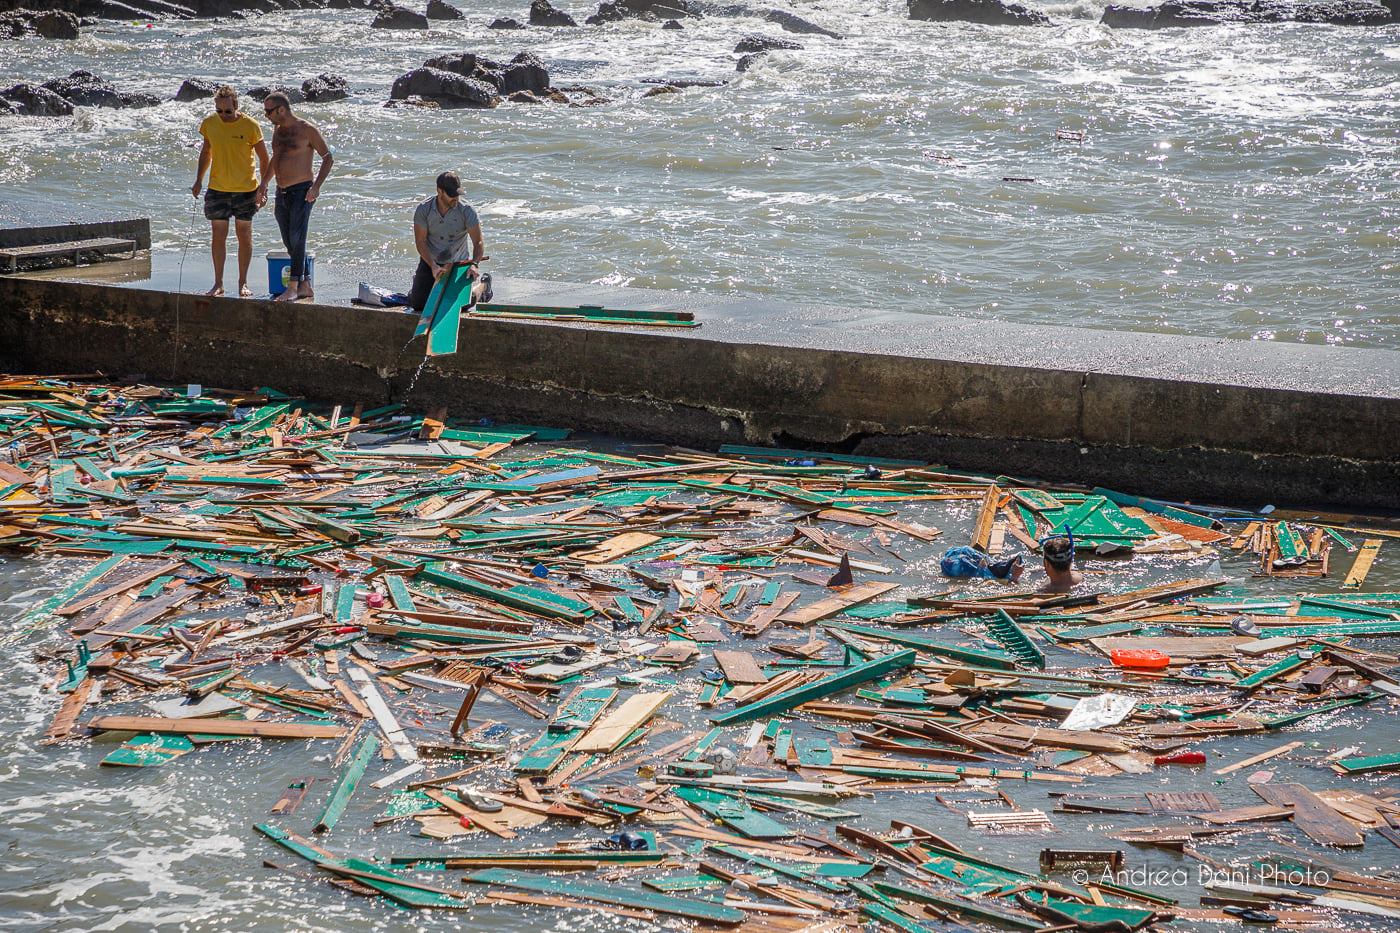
column 1311, row 814
column 260, row 730
column 852, row 596
column 1362, row 565
column 609, row 732
column 68, row 712
column 740, row 667
column 986, row 518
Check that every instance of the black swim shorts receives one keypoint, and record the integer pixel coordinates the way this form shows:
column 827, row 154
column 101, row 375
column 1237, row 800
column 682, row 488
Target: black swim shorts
column 221, row 205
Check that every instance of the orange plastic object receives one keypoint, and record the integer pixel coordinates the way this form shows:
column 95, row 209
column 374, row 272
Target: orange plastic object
column 1146, row 659
column 1182, row 758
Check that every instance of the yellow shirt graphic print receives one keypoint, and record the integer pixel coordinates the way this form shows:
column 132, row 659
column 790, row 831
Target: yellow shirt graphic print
column 231, row 145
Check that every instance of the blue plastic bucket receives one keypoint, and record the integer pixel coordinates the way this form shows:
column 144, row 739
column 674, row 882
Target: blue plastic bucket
column 279, row 264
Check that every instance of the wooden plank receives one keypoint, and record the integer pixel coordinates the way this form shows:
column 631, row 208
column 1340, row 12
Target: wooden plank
column 613, row 548
column 239, row 727
column 393, row 732
column 349, row 780
column 740, row 667
column 68, row 712
column 1262, row 813
column 825, row 687
column 1362, row 565
column 611, row 894
column 487, row 821
column 1311, row 814
column 1262, row 756
column 612, row 729
column 852, row 596
column 986, row 518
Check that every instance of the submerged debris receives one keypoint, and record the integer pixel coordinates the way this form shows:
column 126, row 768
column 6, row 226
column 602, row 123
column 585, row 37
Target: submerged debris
column 700, row 667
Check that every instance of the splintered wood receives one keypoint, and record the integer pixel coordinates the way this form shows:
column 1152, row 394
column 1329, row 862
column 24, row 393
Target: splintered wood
column 673, row 685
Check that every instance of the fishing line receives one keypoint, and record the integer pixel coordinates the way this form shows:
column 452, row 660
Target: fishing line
column 180, row 281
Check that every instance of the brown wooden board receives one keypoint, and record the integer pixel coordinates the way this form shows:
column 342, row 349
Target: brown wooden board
column 740, row 667
column 240, row 727
column 1315, row 818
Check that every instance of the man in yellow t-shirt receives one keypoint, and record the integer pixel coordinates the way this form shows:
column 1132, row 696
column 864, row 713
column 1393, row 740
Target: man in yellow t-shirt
column 231, row 139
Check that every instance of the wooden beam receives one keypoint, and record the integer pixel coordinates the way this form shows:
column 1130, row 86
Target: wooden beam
column 239, row 727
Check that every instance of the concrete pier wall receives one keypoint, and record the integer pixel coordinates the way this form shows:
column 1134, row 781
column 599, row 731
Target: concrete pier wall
column 1181, row 417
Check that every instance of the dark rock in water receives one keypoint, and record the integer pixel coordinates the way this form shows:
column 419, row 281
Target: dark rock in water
column 55, row 24
column 505, row 22
column 397, row 17
column 756, row 43
column 651, row 11
column 35, row 100
column 543, row 14
column 463, row 63
column 414, row 101
column 663, row 89
column 794, row 23
column 196, row 89
column 986, row 12
column 446, row 88
column 748, row 61
column 8, row 109
column 1214, row 12
column 262, row 90
column 85, row 89
column 524, row 73
column 672, row 24
column 324, row 88
column 50, row 24
column 441, row 9
column 530, row 97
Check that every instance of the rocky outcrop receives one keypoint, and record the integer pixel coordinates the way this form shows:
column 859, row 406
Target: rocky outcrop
column 85, row 89
column 262, row 90
column 392, row 16
column 791, row 22
column 651, row 11
column 672, row 24
column 467, row 80
column 1176, row 14
column 505, row 22
column 35, row 100
column 49, row 24
column 441, row 9
column 196, row 89
column 444, row 88
column 986, row 12
column 756, row 43
column 325, row 88
column 542, row 13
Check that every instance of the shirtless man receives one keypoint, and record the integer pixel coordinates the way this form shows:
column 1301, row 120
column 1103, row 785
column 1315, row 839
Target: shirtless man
column 231, row 141
column 293, row 142
column 1058, row 551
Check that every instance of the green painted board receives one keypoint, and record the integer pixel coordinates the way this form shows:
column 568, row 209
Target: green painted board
column 1277, row 669
column 928, row 645
column 892, row 917
column 807, row 874
column 549, row 749
column 683, row 883
column 733, row 813
column 349, row 780
column 70, row 592
column 527, row 598
column 1278, row 722
column 812, row 751
column 1369, row 763
column 1004, row 629
column 148, row 751
column 399, row 595
column 979, row 909
column 610, row 894
column 783, row 702
column 382, row 881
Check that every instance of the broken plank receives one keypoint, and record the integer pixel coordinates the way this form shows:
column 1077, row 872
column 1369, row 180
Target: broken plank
column 223, row 727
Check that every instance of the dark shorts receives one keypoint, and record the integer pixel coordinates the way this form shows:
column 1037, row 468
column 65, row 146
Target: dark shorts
column 221, row 205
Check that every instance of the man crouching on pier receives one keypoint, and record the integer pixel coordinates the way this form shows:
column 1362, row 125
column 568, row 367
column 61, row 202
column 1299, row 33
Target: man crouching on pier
column 294, row 140
column 443, row 227
column 231, row 139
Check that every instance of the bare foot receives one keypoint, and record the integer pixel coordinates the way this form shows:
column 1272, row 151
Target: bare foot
column 216, row 292
column 244, row 291
column 287, row 294
column 307, row 295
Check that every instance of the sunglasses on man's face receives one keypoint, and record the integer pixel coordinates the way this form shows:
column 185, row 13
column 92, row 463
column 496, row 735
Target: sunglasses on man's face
column 271, row 110
column 222, row 110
